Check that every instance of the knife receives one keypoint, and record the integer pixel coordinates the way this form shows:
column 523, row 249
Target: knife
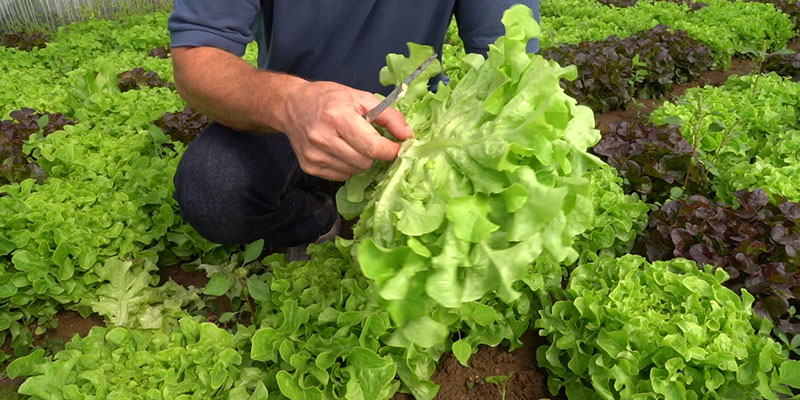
column 398, row 92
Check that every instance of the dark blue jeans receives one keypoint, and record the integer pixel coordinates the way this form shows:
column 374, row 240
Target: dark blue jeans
column 234, row 188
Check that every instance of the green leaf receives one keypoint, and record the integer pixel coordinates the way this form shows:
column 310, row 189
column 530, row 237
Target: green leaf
column 157, row 135
column 425, row 332
column 291, row 388
column 498, row 379
column 463, row 351
column 258, row 288
column 790, row 373
column 613, row 343
column 252, row 251
column 673, row 120
column 43, row 121
column 218, row 285
column 416, row 219
column 264, row 344
column 260, row 392
column 715, row 126
column 118, row 336
column 371, row 374
column 469, row 218
column 29, row 365
column 218, row 375
column 34, row 266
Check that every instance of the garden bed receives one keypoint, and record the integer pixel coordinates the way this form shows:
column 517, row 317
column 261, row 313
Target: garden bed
column 494, row 372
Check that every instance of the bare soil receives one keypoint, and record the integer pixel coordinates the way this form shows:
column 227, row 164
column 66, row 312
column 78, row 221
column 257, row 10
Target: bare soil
column 525, row 379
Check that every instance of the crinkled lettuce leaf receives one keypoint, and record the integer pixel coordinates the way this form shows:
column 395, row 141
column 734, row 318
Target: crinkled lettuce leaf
column 495, row 178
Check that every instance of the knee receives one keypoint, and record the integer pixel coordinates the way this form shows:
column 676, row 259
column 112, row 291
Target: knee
column 215, row 197
column 227, row 181
column 212, row 205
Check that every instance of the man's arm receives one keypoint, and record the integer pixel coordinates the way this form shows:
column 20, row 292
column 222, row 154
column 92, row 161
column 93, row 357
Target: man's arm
column 322, row 119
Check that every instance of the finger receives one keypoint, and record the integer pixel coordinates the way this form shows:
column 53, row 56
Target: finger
column 323, row 159
column 361, row 136
column 335, row 176
column 333, row 170
column 395, row 123
column 328, row 147
column 340, row 150
column 338, row 176
column 391, row 118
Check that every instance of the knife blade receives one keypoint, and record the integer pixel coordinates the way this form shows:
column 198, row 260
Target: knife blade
column 398, row 92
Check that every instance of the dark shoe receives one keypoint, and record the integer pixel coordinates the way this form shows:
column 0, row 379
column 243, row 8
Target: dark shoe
column 299, row 252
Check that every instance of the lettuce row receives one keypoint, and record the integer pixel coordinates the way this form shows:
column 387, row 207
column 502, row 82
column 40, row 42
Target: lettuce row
column 746, row 132
column 613, row 72
column 494, row 178
column 629, row 329
column 315, row 335
column 654, row 161
column 56, row 236
column 193, row 361
column 318, row 334
column 108, row 189
column 756, row 242
column 727, row 27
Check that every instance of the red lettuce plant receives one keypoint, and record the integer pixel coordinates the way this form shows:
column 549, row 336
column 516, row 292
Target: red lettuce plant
column 14, row 163
column 646, row 64
column 784, row 64
column 183, row 126
column 159, row 52
column 653, row 160
column 138, row 77
column 23, row 40
column 757, row 243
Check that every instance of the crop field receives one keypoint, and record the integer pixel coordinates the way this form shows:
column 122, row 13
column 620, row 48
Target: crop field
column 614, row 217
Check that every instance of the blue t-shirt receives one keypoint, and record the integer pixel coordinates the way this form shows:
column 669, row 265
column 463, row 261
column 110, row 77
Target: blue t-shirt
column 344, row 41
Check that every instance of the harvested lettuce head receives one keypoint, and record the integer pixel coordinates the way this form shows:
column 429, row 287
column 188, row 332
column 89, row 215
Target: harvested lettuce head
column 495, row 178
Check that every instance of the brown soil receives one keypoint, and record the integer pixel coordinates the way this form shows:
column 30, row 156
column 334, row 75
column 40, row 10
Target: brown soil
column 70, row 323
column 526, row 381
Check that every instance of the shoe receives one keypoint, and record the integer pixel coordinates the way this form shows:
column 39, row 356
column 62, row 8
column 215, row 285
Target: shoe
column 300, row 252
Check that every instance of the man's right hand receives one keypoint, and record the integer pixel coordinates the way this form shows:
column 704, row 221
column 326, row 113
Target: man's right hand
column 323, row 120
column 332, row 140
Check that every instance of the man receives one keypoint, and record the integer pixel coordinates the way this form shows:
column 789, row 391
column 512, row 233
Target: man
column 285, row 128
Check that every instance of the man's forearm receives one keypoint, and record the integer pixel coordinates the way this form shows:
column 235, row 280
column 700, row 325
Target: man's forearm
column 323, row 120
column 231, row 91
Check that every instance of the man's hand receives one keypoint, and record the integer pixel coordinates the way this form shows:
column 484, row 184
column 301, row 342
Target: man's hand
column 322, row 119
column 332, row 140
